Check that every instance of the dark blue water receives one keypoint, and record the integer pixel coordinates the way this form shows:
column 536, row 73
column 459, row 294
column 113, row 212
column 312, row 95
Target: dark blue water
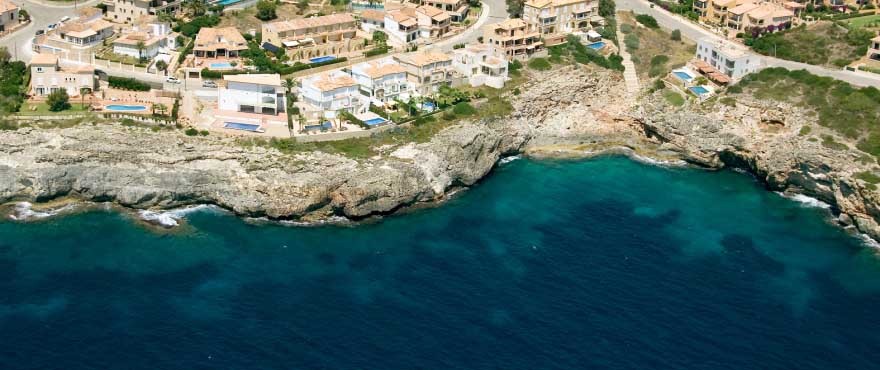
column 605, row 264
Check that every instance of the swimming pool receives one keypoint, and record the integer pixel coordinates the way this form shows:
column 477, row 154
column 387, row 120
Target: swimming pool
column 221, row 65
column 324, row 126
column 326, row 58
column 596, row 45
column 428, row 106
column 683, row 75
column 227, row 2
column 242, row 126
column 375, row 121
column 699, row 90
column 125, row 108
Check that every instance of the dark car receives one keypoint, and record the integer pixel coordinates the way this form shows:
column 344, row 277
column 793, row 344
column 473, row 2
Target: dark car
column 40, row 32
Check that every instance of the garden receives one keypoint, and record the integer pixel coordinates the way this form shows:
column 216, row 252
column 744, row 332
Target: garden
column 822, row 43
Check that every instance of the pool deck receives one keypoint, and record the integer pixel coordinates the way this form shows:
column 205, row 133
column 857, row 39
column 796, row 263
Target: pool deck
column 274, row 125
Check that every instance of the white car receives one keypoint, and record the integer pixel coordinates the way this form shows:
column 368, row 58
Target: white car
column 209, row 84
column 65, row 19
column 172, row 80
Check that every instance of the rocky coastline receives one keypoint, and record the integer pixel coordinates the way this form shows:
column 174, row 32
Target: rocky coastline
column 570, row 112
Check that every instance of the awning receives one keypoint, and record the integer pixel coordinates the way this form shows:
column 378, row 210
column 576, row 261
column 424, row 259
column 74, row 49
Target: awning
column 719, row 77
column 290, row 44
column 593, row 34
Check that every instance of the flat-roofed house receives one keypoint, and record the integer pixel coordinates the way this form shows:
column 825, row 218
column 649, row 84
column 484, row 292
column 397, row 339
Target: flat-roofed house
column 427, row 70
column 481, row 64
column 47, row 76
column 219, row 43
column 252, row 93
column 402, row 26
column 8, row 15
column 312, row 37
column 513, row 37
column 457, row 9
column 381, row 80
column 553, row 19
column 730, row 59
column 332, row 92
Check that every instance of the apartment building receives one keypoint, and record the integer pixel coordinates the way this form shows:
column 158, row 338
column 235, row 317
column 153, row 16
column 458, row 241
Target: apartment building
column 146, row 40
column 553, row 19
column 513, row 37
column 715, row 11
column 8, row 15
column 481, row 64
column 47, row 76
column 401, row 26
column 332, row 92
column 730, row 59
column 127, row 11
column 218, row 43
column 252, row 93
column 328, row 33
column 381, row 80
column 427, row 70
column 433, row 22
column 749, row 17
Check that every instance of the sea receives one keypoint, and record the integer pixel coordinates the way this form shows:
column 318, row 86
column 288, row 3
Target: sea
column 605, row 263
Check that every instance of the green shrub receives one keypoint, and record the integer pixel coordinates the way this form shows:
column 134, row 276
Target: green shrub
column 127, row 83
column 868, row 177
column 626, row 28
column 539, row 64
column 676, row 35
column 191, row 132
column 735, row 89
column 631, row 41
column 58, row 100
column 647, row 21
column 463, row 109
column 204, row 132
column 728, row 101
column 805, row 130
column 674, row 98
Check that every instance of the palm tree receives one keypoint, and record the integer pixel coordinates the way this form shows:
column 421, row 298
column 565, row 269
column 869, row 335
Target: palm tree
column 197, row 7
column 288, row 85
column 161, row 108
column 141, row 46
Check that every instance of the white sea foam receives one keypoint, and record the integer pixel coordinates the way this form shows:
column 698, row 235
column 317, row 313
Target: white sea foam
column 23, row 211
column 657, row 162
column 332, row 220
column 507, row 160
column 868, row 241
column 805, row 200
column 171, row 218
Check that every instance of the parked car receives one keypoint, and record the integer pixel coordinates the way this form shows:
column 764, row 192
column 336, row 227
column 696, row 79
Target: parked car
column 209, row 83
column 172, row 80
column 39, row 32
column 64, row 19
column 51, row 26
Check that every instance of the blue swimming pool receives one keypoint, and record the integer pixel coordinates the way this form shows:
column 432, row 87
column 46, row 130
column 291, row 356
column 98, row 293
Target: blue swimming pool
column 125, row 108
column 324, row 126
column 375, row 121
column 699, row 90
column 683, row 75
column 221, row 65
column 429, row 106
column 227, row 2
column 242, row 126
column 326, row 58
column 596, row 45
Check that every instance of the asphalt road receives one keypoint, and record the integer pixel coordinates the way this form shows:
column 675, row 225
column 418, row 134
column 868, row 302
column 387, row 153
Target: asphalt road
column 694, row 32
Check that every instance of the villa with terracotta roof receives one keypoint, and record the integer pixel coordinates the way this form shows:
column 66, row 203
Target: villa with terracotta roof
column 481, row 64
column 47, row 76
column 457, row 9
column 427, row 70
column 433, row 22
column 312, row 37
column 381, row 80
column 759, row 16
column 8, row 15
column 513, row 37
column 401, row 25
column 219, row 43
column 331, row 92
column 372, row 20
column 152, row 36
column 553, row 19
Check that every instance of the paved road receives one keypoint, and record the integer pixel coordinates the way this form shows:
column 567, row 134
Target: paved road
column 695, row 32
column 42, row 14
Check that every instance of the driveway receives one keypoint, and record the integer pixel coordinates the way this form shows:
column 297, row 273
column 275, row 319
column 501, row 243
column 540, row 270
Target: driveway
column 694, row 32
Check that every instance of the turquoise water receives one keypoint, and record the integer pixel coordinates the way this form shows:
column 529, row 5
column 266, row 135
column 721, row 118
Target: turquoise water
column 699, row 90
column 121, row 107
column 601, row 264
column 683, row 75
column 596, row 45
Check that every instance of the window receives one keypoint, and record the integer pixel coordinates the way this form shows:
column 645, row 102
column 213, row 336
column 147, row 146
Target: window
column 40, row 69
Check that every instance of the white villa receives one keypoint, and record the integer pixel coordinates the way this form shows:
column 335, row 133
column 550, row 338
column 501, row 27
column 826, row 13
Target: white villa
column 331, row 92
column 47, row 76
column 381, row 80
column 481, row 64
column 152, row 36
column 401, row 27
column 8, row 15
column 730, row 60
column 427, row 70
column 252, row 93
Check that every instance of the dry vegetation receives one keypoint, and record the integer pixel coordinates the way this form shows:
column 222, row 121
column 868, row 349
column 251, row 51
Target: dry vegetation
column 655, row 52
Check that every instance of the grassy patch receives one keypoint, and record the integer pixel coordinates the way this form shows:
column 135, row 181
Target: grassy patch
column 656, row 52
column 829, row 142
column 805, row 130
column 673, row 98
column 728, row 101
column 822, row 43
column 42, row 109
column 871, row 21
column 539, row 64
column 868, row 177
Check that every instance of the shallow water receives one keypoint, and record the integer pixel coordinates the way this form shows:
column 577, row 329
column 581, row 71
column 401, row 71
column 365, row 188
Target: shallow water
column 605, row 263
